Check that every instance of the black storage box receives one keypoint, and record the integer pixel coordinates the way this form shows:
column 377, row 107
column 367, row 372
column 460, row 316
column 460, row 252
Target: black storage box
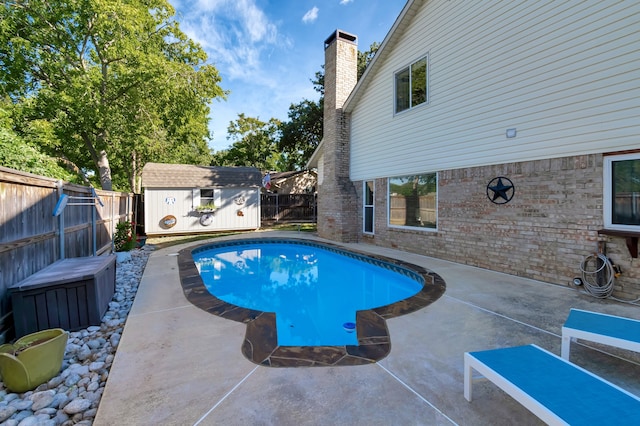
column 71, row 294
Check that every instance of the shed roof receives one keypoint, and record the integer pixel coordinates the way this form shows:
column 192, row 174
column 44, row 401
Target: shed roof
column 159, row 175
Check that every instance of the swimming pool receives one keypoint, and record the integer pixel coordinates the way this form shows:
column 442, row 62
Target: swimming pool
column 314, row 292
column 278, row 264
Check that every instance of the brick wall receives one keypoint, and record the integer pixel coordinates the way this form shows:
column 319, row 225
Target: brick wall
column 337, row 199
column 543, row 233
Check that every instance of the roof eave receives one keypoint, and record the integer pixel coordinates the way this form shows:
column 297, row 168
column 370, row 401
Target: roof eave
column 402, row 21
column 315, row 157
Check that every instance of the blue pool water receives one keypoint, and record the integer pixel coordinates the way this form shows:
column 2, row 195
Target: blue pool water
column 314, row 292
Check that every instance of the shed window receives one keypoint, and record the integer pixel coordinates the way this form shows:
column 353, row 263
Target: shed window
column 206, row 197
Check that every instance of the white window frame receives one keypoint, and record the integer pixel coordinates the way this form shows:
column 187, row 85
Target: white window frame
column 207, row 200
column 395, row 86
column 413, row 228
column 365, row 206
column 199, row 200
column 607, row 205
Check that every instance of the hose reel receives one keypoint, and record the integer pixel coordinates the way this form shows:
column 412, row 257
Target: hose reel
column 598, row 275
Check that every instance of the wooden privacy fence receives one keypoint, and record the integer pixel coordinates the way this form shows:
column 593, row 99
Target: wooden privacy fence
column 288, row 208
column 30, row 235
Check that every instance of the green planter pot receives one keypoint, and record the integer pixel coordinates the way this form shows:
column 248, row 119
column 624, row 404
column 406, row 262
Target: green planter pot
column 33, row 359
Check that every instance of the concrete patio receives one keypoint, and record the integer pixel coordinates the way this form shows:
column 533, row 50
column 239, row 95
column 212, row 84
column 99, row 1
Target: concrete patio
column 179, row 365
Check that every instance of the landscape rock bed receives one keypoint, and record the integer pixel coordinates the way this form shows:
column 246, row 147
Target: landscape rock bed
column 73, row 396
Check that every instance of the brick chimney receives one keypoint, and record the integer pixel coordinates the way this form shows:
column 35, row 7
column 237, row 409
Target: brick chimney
column 338, row 215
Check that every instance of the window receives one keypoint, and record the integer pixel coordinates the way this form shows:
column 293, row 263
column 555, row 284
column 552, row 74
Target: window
column 206, row 197
column 368, row 207
column 413, row 201
column 411, row 85
column 622, row 192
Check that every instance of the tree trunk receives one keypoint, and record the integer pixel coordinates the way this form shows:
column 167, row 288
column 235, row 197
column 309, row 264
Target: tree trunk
column 133, row 178
column 101, row 161
column 105, row 171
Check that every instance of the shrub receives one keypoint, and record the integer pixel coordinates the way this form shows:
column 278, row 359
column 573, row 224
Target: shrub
column 125, row 236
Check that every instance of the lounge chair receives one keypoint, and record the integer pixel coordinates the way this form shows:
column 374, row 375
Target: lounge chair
column 552, row 388
column 600, row 328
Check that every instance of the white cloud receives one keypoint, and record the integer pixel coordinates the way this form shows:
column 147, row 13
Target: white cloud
column 256, row 22
column 234, row 33
column 343, row 2
column 250, row 50
column 311, row 15
column 209, row 5
column 244, row 14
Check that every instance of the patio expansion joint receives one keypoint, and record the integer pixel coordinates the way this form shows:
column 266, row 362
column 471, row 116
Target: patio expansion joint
column 201, row 419
column 422, row 398
column 583, row 344
column 502, row 316
column 188, row 305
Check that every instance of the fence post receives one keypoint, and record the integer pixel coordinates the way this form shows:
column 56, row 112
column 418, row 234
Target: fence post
column 94, row 243
column 112, row 221
column 59, row 189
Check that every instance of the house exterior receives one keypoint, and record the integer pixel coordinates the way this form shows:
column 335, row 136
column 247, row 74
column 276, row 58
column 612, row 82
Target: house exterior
column 289, row 197
column 504, row 135
column 184, row 198
column 293, row 182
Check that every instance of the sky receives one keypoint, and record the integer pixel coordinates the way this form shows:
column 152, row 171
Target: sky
column 268, row 51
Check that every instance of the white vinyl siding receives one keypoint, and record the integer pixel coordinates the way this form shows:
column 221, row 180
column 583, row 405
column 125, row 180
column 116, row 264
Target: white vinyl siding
column 555, row 71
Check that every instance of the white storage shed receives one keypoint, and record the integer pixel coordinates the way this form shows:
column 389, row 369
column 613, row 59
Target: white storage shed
column 184, row 198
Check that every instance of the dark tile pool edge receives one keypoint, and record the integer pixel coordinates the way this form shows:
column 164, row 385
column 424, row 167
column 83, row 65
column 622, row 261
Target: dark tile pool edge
column 260, row 344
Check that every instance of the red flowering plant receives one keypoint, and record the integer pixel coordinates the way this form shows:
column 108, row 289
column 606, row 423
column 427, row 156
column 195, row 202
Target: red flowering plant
column 125, row 237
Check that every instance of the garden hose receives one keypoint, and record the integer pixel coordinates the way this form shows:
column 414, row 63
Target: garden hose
column 598, row 276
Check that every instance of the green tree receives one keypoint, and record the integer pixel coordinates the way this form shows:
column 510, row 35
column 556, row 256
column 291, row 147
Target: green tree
column 302, row 133
column 119, row 83
column 365, row 58
column 18, row 153
column 254, row 144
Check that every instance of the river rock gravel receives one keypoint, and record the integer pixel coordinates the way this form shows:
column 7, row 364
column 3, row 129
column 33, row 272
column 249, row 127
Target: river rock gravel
column 72, row 397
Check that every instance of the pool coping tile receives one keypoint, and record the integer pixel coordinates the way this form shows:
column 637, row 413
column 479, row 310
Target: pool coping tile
column 260, row 344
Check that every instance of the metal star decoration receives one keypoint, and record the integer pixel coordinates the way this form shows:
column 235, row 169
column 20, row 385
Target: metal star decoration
column 500, row 192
